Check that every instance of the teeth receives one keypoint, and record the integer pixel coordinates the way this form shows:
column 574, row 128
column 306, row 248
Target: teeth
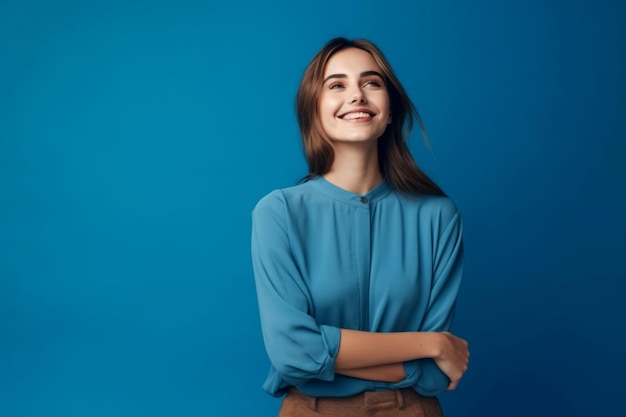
column 357, row 115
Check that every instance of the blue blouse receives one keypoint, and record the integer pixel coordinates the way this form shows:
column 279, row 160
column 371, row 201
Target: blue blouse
column 325, row 259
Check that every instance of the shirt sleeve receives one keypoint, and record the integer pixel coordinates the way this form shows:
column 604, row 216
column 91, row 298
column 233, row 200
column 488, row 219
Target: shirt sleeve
column 299, row 349
column 424, row 374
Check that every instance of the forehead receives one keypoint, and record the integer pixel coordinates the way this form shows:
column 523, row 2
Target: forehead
column 351, row 61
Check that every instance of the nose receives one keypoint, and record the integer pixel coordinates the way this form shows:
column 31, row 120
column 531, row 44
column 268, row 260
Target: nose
column 356, row 96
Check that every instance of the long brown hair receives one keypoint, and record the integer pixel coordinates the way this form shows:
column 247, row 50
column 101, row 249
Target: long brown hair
column 394, row 158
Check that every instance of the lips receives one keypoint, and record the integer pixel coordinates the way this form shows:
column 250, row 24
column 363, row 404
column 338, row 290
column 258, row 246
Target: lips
column 357, row 114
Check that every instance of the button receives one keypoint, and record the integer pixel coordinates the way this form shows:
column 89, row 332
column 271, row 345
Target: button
column 364, row 200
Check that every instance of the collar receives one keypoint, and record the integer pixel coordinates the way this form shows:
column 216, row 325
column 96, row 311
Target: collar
column 361, row 200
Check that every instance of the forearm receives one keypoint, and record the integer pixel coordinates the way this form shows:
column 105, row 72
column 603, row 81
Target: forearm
column 359, row 349
column 393, row 372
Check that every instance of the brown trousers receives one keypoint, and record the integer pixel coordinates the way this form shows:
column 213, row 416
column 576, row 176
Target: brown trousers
column 396, row 403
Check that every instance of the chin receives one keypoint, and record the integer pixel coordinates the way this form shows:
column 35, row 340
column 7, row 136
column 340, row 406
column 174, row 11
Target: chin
column 354, row 141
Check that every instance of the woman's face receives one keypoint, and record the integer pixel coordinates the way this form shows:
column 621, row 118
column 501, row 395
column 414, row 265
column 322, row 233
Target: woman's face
column 354, row 104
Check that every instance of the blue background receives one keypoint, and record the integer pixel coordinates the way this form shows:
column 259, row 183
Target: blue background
column 136, row 137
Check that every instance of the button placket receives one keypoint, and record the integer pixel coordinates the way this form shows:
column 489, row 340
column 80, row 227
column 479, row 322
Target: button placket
column 363, row 248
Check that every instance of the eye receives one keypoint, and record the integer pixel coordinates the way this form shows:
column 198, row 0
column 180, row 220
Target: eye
column 335, row 86
column 372, row 83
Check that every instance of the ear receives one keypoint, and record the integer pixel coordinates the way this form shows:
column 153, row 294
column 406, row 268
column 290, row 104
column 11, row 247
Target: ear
column 389, row 119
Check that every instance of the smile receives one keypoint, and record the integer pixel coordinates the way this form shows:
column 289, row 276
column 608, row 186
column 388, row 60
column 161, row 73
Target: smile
column 356, row 115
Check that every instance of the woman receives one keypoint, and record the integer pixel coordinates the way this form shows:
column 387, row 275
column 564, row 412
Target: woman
column 357, row 268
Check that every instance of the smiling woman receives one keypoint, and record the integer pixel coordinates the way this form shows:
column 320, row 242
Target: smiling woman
column 354, row 104
column 358, row 268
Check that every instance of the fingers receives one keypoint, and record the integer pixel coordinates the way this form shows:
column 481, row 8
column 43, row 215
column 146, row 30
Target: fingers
column 455, row 339
column 454, row 358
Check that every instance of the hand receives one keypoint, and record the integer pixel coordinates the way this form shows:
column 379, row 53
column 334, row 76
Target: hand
column 453, row 357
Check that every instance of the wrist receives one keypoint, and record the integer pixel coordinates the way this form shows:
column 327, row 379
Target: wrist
column 435, row 342
column 429, row 345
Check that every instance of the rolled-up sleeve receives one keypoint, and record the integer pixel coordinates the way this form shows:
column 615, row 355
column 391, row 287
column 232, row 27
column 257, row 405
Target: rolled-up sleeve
column 299, row 349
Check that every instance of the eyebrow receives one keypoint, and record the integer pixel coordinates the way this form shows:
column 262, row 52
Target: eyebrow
column 363, row 74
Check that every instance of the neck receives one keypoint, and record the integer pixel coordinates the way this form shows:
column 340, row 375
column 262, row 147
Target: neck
column 355, row 168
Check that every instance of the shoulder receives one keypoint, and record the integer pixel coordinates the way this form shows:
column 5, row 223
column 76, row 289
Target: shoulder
column 433, row 213
column 279, row 199
column 443, row 206
column 431, row 205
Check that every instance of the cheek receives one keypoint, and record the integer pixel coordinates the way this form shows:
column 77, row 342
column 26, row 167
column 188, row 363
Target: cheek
column 327, row 104
column 385, row 112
